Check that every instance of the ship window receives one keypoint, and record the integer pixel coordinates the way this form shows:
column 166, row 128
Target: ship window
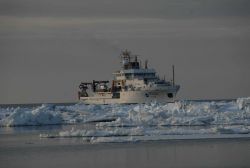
column 170, row 95
column 116, row 95
column 128, row 76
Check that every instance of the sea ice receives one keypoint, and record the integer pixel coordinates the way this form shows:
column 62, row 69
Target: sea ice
column 154, row 119
column 42, row 115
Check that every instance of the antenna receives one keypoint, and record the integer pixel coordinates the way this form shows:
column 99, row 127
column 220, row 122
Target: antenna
column 173, row 74
column 146, row 64
column 135, row 58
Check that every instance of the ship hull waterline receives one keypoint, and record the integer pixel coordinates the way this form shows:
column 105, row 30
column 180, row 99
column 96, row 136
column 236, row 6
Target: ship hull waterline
column 129, row 97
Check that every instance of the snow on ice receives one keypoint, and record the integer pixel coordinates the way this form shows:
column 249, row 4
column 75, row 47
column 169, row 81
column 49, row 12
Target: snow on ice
column 147, row 120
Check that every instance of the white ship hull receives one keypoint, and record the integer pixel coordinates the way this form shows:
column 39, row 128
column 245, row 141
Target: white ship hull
column 129, row 97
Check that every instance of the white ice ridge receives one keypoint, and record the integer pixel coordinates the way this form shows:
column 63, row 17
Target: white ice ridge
column 133, row 134
column 137, row 131
column 189, row 113
column 42, row 115
column 149, row 131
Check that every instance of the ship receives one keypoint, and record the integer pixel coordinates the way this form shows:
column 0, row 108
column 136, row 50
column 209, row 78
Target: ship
column 132, row 84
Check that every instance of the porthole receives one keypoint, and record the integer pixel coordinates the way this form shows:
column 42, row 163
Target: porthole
column 170, row 95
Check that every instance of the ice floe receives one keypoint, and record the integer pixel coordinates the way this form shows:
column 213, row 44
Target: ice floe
column 42, row 115
column 154, row 114
column 128, row 134
column 132, row 122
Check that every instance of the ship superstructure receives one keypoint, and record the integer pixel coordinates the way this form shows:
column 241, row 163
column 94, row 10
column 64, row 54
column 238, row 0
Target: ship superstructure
column 132, row 84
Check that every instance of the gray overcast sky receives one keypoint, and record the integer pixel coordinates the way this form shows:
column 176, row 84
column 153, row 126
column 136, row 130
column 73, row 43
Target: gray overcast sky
column 47, row 47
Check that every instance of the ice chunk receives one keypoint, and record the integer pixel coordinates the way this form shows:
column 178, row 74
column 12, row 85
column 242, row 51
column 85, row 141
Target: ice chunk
column 43, row 115
column 243, row 102
column 138, row 131
column 154, row 114
column 128, row 139
column 233, row 130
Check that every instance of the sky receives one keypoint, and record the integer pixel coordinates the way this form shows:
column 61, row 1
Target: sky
column 47, row 47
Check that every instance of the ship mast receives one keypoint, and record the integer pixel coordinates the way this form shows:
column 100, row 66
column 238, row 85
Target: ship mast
column 173, row 74
column 125, row 56
column 127, row 62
